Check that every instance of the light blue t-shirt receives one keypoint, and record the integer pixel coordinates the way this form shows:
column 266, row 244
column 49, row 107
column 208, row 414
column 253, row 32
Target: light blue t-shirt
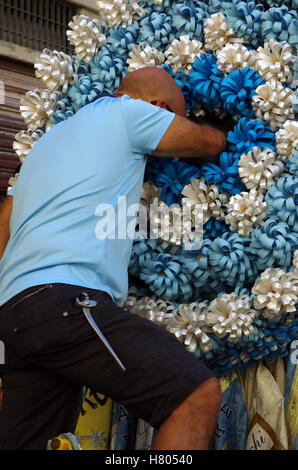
column 72, row 188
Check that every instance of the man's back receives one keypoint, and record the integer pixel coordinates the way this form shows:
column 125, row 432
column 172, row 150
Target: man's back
column 91, row 161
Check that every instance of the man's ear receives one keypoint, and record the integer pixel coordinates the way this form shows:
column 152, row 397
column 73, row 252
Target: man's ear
column 160, row 103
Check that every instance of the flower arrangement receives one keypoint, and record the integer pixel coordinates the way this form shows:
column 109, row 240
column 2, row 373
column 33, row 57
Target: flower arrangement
column 232, row 300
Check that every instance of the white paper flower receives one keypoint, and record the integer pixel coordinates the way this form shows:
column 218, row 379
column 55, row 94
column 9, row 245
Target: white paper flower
column 56, row 69
column 275, row 61
column 143, row 55
column 24, row 141
column 246, row 211
column 232, row 316
column 119, row 12
column 85, row 34
column 295, row 263
column 286, row 140
column 12, row 181
column 188, row 326
column 37, row 107
column 276, row 292
column 272, row 103
column 235, row 56
column 259, row 168
column 154, row 309
column 182, row 53
column 204, row 199
column 217, row 32
column 169, row 223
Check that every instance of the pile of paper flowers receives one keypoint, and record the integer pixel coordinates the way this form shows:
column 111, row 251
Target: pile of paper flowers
column 232, row 298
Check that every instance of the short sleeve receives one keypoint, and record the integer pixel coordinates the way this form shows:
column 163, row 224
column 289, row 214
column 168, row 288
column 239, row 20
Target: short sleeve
column 145, row 124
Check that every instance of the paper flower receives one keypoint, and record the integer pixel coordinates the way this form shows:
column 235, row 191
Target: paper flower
column 217, row 33
column 231, row 316
column 225, row 176
column 182, row 53
column 64, row 110
column 206, row 79
column 143, row 55
column 273, row 245
column 84, row 91
column 259, row 168
column 275, row 61
column 120, row 40
column 142, row 249
column 156, row 30
column 24, row 141
column 56, row 69
column 277, row 24
column 287, row 139
column 204, row 200
column 246, row 19
column 230, row 259
column 37, row 107
column 237, row 91
column 154, row 309
column 11, row 182
column 107, row 70
column 282, row 201
column 188, row 20
column 196, row 263
column 247, row 134
column 188, row 324
column 164, row 276
column 292, row 164
column 86, row 35
column 245, row 212
column 275, row 292
column 273, row 103
column 172, row 178
column 168, row 222
column 235, row 56
column 119, row 12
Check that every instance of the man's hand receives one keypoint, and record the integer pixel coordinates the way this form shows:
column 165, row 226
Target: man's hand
column 187, row 139
column 5, row 213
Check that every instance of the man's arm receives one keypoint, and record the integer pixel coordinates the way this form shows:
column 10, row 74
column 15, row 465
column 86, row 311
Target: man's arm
column 187, row 139
column 5, row 213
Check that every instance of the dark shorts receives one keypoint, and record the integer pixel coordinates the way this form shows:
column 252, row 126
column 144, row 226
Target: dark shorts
column 51, row 352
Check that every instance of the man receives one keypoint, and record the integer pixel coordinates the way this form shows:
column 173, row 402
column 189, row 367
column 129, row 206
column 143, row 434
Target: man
column 55, row 255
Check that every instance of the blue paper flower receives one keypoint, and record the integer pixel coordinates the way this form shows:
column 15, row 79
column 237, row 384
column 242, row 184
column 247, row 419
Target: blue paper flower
column 225, row 176
column 206, row 78
column 230, row 259
column 273, row 245
column 64, row 110
column 164, row 276
column 247, row 134
column 84, row 91
column 282, row 201
column 157, row 30
column 246, row 18
column 189, row 20
column 292, row 164
column 120, row 40
column 142, row 249
column 172, row 178
column 237, row 90
column 108, row 70
column 280, row 24
column 195, row 263
column 182, row 80
column 214, row 228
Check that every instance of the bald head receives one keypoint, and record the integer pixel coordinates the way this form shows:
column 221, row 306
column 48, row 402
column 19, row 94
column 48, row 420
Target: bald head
column 155, row 86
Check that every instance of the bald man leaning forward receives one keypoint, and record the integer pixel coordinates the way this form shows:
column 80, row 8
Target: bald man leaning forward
column 63, row 281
